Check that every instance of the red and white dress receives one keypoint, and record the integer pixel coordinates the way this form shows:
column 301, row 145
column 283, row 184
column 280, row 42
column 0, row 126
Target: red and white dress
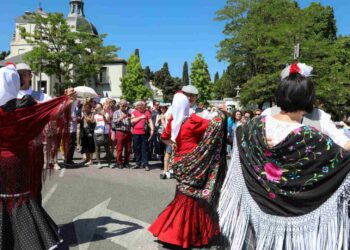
column 24, row 222
column 186, row 221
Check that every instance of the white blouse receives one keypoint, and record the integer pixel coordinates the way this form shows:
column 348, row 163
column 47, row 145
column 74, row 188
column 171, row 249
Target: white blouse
column 279, row 130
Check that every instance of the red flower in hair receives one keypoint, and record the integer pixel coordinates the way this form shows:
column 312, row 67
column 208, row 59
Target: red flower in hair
column 294, row 68
column 10, row 63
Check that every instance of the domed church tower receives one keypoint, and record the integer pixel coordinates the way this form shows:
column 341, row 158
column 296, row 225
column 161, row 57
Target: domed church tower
column 77, row 20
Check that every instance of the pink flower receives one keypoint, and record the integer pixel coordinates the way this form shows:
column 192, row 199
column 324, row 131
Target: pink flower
column 268, row 153
column 205, row 192
column 297, row 131
column 272, row 195
column 273, row 172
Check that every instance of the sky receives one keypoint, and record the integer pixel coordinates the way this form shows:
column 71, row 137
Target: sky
column 172, row 31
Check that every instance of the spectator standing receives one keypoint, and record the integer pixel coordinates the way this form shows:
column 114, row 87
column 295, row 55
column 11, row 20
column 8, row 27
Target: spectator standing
column 257, row 112
column 233, row 123
column 248, row 114
column 68, row 160
column 78, row 113
column 108, row 113
column 101, row 134
column 141, row 121
column 161, row 124
column 154, row 143
column 87, row 127
column 122, row 127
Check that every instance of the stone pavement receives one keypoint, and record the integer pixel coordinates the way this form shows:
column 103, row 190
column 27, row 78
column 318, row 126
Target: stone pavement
column 100, row 209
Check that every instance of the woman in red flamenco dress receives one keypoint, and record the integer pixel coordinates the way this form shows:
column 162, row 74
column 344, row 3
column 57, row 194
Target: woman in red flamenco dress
column 190, row 220
column 24, row 224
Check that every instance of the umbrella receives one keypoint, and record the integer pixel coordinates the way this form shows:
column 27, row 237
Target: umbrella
column 85, row 92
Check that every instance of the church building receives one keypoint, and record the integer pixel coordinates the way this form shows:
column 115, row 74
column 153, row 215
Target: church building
column 108, row 82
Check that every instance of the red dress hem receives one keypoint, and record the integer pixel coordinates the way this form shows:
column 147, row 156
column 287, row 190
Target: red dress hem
column 186, row 222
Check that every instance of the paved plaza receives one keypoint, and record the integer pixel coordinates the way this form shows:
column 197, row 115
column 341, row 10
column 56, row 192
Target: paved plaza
column 100, row 209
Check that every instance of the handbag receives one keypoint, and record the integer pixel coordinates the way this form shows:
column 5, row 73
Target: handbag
column 147, row 128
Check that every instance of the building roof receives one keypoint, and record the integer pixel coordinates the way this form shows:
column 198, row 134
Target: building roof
column 80, row 23
column 15, row 59
column 117, row 60
column 19, row 59
column 28, row 16
column 77, row 20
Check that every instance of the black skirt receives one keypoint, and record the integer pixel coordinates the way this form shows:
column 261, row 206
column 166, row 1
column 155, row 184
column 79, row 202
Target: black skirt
column 28, row 226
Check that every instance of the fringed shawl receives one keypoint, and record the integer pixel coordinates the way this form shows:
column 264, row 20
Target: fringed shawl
column 200, row 173
column 20, row 161
column 294, row 196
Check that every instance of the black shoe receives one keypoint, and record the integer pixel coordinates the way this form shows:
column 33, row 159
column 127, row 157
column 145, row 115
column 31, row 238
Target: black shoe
column 136, row 166
column 126, row 165
column 162, row 176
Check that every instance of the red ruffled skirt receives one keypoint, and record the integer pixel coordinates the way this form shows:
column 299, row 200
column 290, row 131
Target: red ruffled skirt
column 186, row 222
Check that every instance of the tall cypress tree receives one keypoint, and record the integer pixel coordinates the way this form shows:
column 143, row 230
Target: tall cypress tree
column 4, row 54
column 149, row 75
column 137, row 53
column 185, row 78
column 166, row 83
column 216, row 77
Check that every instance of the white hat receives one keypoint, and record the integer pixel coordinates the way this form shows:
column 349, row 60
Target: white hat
column 9, row 84
column 23, row 66
column 190, row 89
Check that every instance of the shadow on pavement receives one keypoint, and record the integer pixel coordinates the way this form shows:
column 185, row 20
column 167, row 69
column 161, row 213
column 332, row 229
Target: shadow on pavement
column 67, row 231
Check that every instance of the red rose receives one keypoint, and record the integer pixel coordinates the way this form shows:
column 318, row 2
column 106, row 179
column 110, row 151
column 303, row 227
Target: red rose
column 273, row 172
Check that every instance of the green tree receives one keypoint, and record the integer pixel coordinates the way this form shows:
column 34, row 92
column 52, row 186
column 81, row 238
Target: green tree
column 91, row 56
column 185, row 78
column 260, row 42
column 261, row 35
column 166, row 83
column 149, row 75
column 4, row 54
column 216, row 77
column 72, row 57
column 137, row 52
column 133, row 83
column 200, row 78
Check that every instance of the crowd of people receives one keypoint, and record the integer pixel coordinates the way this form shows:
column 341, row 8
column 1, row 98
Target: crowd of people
column 132, row 131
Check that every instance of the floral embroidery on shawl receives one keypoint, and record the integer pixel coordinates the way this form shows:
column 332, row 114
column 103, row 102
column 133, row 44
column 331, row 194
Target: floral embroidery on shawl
column 294, row 169
column 200, row 173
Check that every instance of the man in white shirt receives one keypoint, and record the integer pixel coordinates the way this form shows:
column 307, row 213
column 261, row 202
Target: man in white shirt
column 25, row 73
column 192, row 93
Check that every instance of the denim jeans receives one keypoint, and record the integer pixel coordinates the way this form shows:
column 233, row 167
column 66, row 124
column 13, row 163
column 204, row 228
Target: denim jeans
column 141, row 149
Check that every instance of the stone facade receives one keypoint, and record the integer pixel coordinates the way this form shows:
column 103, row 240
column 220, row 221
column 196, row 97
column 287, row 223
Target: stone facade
column 108, row 82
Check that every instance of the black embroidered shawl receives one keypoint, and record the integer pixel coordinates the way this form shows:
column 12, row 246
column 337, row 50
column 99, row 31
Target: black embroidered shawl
column 294, row 177
column 200, row 174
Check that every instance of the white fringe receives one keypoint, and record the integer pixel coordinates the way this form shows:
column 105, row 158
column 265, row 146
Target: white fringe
column 325, row 228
